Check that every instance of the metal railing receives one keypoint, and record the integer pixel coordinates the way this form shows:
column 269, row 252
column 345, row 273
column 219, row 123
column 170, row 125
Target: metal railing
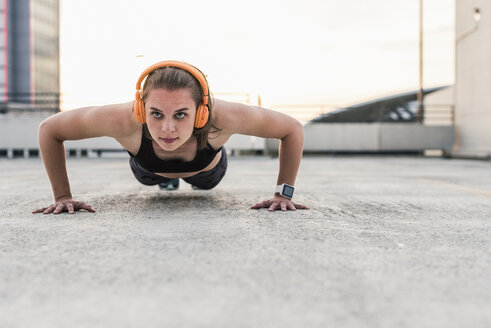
column 434, row 114
column 305, row 113
column 439, row 114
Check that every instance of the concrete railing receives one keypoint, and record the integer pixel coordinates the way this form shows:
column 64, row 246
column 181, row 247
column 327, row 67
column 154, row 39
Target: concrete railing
column 377, row 137
column 19, row 138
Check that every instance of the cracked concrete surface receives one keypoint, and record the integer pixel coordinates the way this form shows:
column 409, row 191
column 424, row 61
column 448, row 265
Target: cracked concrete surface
column 389, row 241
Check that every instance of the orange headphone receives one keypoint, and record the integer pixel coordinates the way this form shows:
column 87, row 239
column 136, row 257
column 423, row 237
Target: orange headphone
column 202, row 110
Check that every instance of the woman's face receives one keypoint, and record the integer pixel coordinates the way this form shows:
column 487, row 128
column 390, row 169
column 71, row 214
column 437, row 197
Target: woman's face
column 170, row 117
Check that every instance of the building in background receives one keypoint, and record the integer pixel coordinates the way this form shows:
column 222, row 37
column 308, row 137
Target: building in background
column 398, row 108
column 473, row 78
column 29, row 55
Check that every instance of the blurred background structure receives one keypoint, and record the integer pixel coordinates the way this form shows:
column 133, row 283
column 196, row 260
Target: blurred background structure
column 473, row 78
column 455, row 120
column 29, row 55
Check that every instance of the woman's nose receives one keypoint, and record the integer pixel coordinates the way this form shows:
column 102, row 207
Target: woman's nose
column 168, row 126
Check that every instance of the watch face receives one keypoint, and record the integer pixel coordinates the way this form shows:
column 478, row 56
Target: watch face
column 288, row 191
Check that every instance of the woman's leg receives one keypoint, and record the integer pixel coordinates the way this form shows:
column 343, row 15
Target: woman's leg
column 209, row 179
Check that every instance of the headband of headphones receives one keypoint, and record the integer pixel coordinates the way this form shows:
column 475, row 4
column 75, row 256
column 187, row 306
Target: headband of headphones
column 202, row 110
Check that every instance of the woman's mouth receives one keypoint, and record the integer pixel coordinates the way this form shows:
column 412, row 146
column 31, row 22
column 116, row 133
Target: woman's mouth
column 168, row 140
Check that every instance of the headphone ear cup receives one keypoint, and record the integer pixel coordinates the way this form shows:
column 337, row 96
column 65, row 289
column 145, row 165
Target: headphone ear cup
column 139, row 110
column 201, row 116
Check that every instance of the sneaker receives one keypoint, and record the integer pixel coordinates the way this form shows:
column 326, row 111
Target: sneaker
column 173, row 184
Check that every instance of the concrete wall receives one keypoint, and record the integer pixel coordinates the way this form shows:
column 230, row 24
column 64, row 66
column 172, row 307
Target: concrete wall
column 377, row 137
column 19, row 133
column 473, row 78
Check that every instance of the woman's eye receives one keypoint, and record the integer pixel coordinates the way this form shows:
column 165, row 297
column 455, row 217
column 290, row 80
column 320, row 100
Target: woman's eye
column 156, row 114
column 180, row 115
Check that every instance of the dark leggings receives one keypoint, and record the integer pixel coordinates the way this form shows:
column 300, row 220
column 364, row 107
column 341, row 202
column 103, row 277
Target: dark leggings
column 203, row 180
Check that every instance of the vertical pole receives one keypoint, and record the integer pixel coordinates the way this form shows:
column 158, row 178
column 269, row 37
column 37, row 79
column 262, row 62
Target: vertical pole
column 420, row 91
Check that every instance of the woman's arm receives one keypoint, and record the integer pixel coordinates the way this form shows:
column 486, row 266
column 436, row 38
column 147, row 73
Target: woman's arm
column 237, row 118
column 112, row 120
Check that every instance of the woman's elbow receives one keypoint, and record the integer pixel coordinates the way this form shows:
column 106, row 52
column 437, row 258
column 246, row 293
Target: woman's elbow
column 47, row 128
column 299, row 126
column 297, row 129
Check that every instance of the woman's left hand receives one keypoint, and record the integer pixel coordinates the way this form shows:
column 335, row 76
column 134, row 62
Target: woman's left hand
column 279, row 203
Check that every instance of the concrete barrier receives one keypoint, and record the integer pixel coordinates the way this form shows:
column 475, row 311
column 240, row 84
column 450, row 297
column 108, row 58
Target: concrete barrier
column 376, row 137
column 341, row 137
column 19, row 138
column 416, row 137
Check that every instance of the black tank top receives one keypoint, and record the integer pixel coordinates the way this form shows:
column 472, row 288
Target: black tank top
column 147, row 159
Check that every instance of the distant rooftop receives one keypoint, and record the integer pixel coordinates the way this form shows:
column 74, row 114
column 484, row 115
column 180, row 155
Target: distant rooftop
column 395, row 108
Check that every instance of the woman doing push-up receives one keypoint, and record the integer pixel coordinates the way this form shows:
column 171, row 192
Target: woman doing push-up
column 172, row 130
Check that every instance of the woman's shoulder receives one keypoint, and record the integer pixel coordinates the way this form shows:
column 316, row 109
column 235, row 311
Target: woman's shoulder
column 225, row 113
column 118, row 121
column 222, row 115
column 226, row 116
column 93, row 121
column 130, row 130
column 231, row 116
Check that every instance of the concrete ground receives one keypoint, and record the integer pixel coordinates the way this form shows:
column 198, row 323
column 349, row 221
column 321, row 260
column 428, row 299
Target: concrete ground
column 389, row 242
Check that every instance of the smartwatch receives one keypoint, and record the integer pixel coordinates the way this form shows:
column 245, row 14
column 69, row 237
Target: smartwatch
column 285, row 190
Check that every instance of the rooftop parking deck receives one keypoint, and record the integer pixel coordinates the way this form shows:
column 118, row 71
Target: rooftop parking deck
column 388, row 242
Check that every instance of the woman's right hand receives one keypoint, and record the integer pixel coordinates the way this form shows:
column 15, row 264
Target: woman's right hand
column 65, row 205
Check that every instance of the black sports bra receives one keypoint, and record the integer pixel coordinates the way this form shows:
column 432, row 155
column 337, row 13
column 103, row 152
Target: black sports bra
column 147, row 159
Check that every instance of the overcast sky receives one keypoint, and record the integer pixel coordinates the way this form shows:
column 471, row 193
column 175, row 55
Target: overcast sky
column 288, row 51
